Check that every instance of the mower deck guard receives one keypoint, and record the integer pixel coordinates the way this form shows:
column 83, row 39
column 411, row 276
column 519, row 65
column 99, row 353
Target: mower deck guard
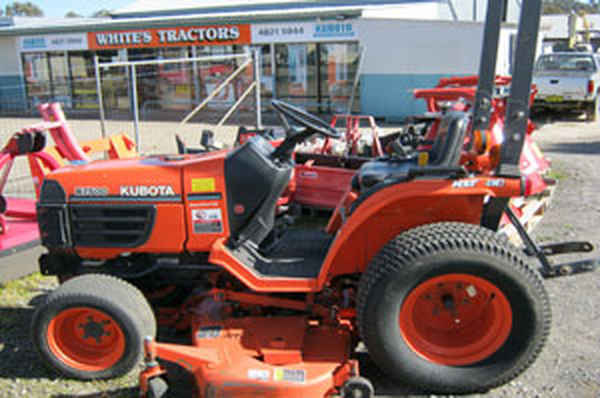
column 290, row 357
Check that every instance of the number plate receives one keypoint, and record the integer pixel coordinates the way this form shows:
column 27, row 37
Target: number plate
column 554, row 98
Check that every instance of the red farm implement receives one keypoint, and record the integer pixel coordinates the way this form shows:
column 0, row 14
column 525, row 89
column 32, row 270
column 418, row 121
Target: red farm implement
column 18, row 220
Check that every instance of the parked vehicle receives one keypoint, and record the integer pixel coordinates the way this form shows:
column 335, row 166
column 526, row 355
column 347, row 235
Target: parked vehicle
column 568, row 81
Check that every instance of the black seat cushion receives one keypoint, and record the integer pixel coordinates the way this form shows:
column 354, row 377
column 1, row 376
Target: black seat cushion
column 377, row 171
column 445, row 152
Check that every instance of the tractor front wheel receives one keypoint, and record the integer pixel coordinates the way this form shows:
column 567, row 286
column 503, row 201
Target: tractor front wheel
column 452, row 308
column 92, row 327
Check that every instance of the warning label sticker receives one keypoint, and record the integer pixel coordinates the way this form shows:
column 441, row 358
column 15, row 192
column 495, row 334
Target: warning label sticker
column 291, row 375
column 203, row 184
column 309, row 174
column 207, row 221
column 259, row 374
column 209, row 332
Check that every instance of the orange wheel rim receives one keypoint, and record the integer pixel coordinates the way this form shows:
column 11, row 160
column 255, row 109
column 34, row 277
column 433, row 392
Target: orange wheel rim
column 86, row 339
column 455, row 319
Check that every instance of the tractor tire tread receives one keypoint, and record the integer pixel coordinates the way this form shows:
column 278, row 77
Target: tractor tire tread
column 430, row 239
column 133, row 297
column 100, row 291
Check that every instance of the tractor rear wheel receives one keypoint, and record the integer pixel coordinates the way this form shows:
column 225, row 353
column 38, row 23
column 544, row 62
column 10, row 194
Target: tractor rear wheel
column 93, row 327
column 452, row 308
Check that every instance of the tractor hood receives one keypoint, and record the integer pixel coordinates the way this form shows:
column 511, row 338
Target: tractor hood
column 150, row 179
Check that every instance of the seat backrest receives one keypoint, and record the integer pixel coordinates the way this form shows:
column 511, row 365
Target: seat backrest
column 181, row 149
column 254, row 184
column 447, row 147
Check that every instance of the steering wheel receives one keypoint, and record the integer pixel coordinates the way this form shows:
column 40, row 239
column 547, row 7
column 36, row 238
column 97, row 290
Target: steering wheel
column 300, row 116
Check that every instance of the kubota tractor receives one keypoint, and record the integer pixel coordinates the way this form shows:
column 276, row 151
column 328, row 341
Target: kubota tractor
column 409, row 263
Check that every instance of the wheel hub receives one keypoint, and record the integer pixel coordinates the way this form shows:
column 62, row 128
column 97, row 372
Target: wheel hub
column 455, row 319
column 94, row 330
column 86, row 339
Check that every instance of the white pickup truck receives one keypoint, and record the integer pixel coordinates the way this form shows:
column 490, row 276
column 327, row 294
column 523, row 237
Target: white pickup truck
column 568, row 81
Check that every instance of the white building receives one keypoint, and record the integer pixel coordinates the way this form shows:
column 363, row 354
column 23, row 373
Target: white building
column 311, row 50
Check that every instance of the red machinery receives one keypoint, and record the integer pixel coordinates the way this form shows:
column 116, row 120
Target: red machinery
column 458, row 93
column 18, row 224
column 325, row 168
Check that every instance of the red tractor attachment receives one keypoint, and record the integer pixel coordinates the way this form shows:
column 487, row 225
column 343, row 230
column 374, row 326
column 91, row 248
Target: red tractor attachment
column 18, row 223
column 18, row 218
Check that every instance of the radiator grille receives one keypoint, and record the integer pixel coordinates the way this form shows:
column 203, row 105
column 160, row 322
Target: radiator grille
column 111, row 225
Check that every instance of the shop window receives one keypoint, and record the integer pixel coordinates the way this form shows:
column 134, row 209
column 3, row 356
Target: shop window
column 83, row 80
column 211, row 74
column 115, row 83
column 175, row 86
column 59, row 74
column 147, row 77
column 37, row 77
column 296, row 74
column 267, row 75
column 338, row 68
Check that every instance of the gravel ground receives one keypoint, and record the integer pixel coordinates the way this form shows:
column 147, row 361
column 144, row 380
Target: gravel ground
column 569, row 366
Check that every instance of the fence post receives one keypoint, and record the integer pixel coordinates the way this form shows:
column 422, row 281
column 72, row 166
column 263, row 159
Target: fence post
column 257, row 88
column 356, row 79
column 136, row 112
column 100, row 97
column 195, row 76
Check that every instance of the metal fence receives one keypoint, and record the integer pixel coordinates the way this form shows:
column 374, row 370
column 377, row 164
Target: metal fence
column 208, row 89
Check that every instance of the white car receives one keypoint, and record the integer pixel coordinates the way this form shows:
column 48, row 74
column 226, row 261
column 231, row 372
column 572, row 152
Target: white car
column 568, row 81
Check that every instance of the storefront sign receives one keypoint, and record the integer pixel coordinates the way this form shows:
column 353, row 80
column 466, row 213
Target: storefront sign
column 304, row 32
column 76, row 41
column 170, row 37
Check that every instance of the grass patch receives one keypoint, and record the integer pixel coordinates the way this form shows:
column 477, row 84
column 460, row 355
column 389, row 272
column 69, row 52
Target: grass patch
column 558, row 171
column 22, row 373
column 22, row 290
column 557, row 174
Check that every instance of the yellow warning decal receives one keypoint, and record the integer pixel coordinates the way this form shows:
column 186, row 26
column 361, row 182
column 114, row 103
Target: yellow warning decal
column 203, row 184
column 423, row 159
column 289, row 375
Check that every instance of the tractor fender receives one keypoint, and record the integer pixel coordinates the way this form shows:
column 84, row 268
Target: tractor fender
column 396, row 208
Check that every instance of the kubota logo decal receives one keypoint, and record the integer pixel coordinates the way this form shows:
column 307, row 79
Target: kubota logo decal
column 147, row 190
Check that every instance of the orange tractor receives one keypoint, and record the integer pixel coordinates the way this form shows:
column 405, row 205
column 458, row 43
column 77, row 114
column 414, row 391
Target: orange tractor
column 409, row 263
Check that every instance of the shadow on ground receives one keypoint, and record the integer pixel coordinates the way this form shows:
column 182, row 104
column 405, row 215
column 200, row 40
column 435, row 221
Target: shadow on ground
column 547, row 117
column 18, row 358
column 120, row 393
column 580, row 148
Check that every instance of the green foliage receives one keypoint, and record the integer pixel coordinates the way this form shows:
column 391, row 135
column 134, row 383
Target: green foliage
column 72, row 14
column 23, row 9
column 101, row 13
column 566, row 6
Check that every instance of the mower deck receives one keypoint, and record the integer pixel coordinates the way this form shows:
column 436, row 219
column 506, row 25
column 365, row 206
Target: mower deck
column 290, row 357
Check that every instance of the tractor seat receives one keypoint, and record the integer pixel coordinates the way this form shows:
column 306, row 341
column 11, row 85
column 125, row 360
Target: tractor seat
column 445, row 152
column 377, row 171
